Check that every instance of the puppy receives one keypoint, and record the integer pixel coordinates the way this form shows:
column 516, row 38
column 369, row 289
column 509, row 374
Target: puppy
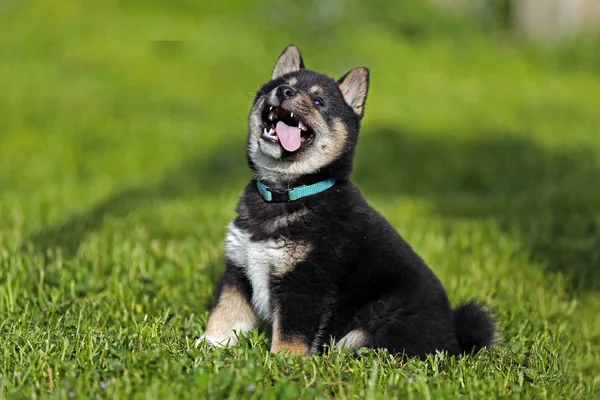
column 308, row 255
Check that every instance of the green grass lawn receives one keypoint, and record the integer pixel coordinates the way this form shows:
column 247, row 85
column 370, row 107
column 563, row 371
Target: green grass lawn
column 122, row 133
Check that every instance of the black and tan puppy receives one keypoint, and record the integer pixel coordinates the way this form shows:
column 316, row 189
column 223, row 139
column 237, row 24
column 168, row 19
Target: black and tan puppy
column 308, row 255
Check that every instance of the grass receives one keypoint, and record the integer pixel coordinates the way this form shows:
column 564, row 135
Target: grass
column 122, row 156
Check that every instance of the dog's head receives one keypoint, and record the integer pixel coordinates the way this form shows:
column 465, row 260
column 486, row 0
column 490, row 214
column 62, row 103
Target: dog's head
column 303, row 123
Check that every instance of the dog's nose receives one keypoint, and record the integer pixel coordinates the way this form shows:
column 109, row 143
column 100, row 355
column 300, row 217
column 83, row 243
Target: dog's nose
column 284, row 92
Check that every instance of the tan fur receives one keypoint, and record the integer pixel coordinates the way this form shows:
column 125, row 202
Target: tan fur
column 354, row 88
column 231, row 310
column 292, row 346
column 340, row 134
column 293, row 253
column 289, row 61
column 292, row 81
column 316, row 89
column 284, row 220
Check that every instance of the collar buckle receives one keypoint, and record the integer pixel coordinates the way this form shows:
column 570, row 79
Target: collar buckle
column 280, row 195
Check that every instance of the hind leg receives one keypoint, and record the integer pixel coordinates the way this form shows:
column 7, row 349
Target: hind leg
column 388, row 324
column 418, row 335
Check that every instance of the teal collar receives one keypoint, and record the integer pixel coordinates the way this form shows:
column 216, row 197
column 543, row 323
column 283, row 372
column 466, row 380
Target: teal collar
column 286, row 195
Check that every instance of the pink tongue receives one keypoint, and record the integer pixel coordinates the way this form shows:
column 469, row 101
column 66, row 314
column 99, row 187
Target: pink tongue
column 289, row 136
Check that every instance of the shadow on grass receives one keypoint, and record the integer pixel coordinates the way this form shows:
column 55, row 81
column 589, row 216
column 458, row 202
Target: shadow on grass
column 211, row 173
column 551, row 199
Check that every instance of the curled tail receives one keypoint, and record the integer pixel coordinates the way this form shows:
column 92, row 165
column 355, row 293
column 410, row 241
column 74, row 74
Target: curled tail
column 475, row 327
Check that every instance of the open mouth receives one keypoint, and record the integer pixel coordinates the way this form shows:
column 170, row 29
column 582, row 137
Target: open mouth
column 285, row 128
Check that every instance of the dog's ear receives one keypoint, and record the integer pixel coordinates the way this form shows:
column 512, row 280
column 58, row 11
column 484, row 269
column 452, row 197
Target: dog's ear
column 354, row 87
column 289, row 61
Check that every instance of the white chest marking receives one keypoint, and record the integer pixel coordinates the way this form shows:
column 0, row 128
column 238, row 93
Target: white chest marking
column 260, row 260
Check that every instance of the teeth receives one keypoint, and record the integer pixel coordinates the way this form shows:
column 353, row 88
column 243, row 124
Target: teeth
column 270, row 108
column 302, row 126
column 292, row 115
column 270, row 132
column 272, row 115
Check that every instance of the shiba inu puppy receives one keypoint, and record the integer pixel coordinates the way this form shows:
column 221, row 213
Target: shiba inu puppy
column 308, row 255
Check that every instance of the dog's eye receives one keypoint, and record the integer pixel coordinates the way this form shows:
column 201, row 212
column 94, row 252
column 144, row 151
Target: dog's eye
column 318, row 102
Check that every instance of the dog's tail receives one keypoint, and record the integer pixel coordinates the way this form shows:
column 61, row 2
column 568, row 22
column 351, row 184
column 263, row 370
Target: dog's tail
column 475, row 327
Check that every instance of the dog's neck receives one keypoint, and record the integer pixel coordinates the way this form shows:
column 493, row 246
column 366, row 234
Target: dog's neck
column 277, row 180
column 290, row 182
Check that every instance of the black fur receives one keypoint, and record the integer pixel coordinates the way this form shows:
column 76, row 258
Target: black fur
column 364, row 274
column 360, row 273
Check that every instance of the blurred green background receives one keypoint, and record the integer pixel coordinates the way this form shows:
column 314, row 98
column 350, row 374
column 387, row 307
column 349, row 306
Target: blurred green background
column 122, row 139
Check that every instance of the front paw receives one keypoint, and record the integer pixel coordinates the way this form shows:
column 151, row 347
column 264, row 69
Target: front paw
column 293, row 347
column 215, row 342
column 223, row 337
